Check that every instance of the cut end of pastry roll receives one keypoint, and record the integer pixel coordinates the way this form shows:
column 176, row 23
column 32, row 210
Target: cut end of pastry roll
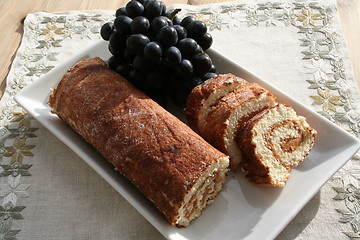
column 230, row 113
column 203, row 96
column 273, row 142
column 237, row 120
column 202, row 193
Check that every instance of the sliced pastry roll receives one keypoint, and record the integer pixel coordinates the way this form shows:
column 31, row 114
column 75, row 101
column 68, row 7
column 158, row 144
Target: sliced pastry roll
column 230, row 113
column 272, row 142
column 169, row 163
column 204, row 96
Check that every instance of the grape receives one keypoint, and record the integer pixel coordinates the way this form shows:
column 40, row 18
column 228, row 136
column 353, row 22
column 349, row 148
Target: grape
column 187, row 47
column 168, row 72
column 202, row 64
column 180, row 93
column 137, row 78
column 153, row 51
column 172, row 56
column 157, row 51
column 199, row 50
column 134, row 9
column 186, row 21
column 113, row 51
column 121, row 11
column 167, row 36
column 141, row 64
column 191, row 83
column 140, row 1
column 146, row 2
column 208, row 75
column 170, row 23
column 124, row 70
column 114, row 62
column 176, row 20
column 159, row 22
column 153, row 9
column 155, row 80
column 180, row 98
column 205, row 41
column 140, row 24
column 117, row 43
column 129, row 55
column 186, row 69
column 181, row 31
column 196, row 29
column 106, row 30
column 173, row 17
column 122, row 24
column 137, row 42
column 163, row 8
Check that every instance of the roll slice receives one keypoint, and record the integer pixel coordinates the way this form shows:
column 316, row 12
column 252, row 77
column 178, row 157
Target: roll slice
column 169, row 163
column 272, row 142
column 229, row 115
column 202, row 97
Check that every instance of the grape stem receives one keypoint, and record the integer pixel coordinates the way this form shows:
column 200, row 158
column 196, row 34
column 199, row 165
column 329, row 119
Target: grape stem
column 173, row 13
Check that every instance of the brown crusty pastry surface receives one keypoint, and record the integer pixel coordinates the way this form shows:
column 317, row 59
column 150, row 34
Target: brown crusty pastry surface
column 158, row 153
column 217, row 121
column 227, row 115
column 203, row 91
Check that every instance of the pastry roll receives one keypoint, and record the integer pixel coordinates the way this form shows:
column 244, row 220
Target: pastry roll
column 170, row 164
column 245, row 121
column 272, row 142
column 230, row 113
column 202, row 97
column 218, row 108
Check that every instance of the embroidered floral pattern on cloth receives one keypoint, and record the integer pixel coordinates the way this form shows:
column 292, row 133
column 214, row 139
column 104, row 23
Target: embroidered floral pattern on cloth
column 260, row 33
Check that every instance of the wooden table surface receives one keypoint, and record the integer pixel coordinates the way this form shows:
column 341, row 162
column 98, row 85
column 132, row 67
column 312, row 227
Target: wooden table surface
column 13, row 12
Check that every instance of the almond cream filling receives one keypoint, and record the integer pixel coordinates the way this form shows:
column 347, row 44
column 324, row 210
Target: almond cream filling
column 203, row 192
column 268, row 139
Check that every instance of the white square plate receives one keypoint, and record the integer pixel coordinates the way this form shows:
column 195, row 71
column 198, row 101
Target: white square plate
column 242, row 210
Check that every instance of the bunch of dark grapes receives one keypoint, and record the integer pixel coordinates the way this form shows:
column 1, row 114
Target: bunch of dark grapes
column 158, row 52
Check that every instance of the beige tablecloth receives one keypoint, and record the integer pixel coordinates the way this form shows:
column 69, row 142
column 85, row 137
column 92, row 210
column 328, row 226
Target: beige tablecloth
column 48, row 192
